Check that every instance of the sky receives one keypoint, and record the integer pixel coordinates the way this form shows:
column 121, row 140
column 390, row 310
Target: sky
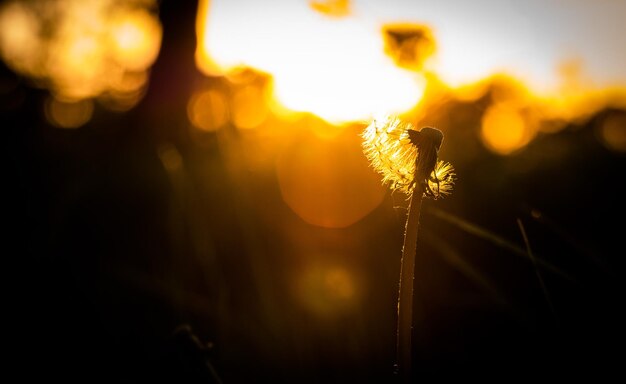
column 530, row 39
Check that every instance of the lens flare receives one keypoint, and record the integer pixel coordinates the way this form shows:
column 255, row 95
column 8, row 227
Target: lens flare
column 326, row 289
column 504, row 130
column 208, row 110
column 326, row 181
column 613, row 132
column 68, row 114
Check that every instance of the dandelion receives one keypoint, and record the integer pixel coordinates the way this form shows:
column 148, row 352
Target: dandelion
column 407, row 157
column 408, row 160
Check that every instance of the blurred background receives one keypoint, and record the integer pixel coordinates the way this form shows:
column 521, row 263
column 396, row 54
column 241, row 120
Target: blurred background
column 188, row 200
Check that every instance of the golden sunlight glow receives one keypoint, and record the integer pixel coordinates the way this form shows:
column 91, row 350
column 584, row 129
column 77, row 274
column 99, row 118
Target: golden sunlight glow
column 339, row 73
column 504, row 129
column 83, row 49
column 326, row 181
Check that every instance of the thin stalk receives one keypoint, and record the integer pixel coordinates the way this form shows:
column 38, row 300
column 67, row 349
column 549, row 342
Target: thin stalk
column 407, row 275
column 533, row 260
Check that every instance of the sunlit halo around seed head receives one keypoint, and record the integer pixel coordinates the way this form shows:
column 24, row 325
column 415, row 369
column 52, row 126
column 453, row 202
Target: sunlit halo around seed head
column 388, row 145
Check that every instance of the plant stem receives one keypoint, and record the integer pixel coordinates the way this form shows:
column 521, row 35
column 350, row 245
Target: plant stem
column 533, row 260
column 407, row 275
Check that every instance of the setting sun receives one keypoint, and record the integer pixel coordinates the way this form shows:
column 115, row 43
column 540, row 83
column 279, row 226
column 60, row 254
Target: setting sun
column 340, row 72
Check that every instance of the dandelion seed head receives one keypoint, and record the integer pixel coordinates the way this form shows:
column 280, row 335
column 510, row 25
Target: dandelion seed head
column 392, row 147
column 444, row 172
column 387, row 146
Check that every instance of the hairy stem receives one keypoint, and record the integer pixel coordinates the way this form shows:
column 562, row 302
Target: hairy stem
column 405, row 295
